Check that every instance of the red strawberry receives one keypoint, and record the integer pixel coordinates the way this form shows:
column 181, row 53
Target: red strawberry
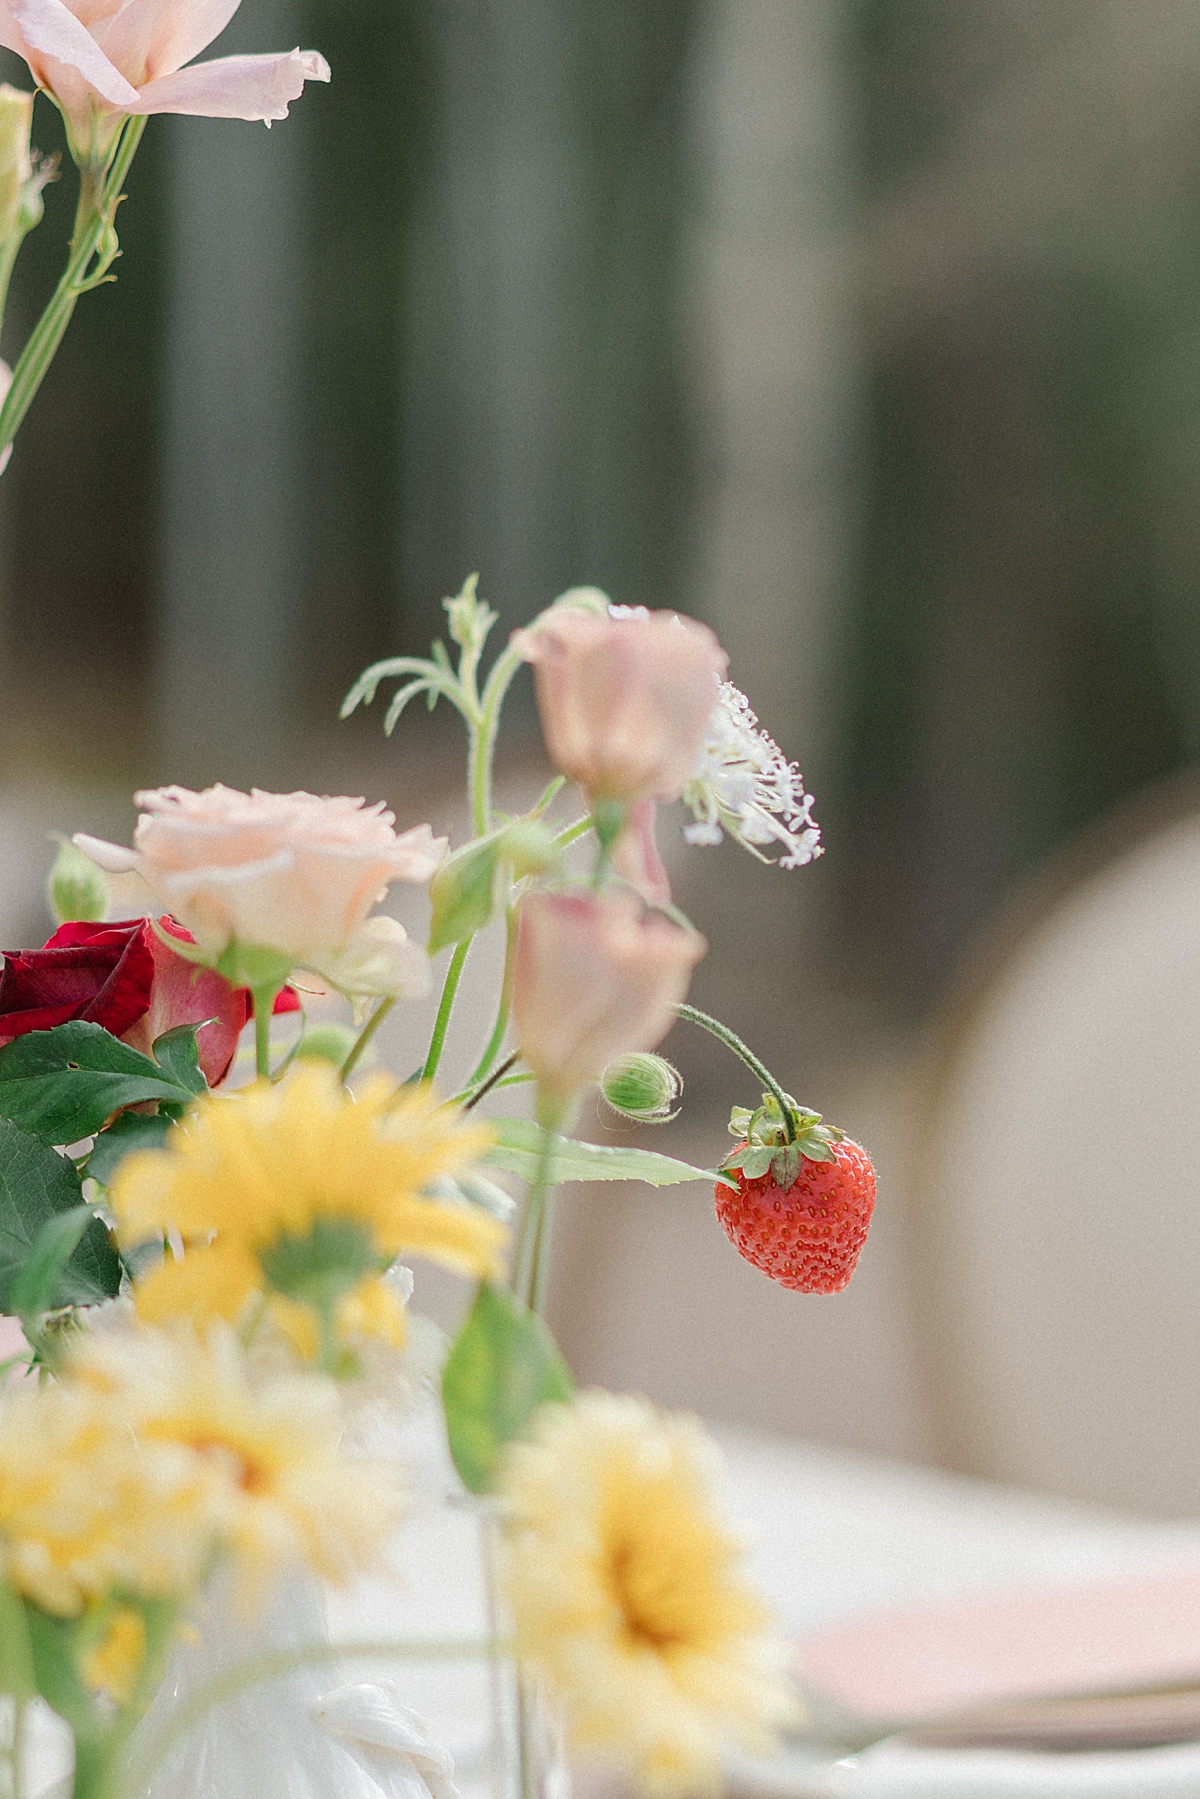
column 801, row 1209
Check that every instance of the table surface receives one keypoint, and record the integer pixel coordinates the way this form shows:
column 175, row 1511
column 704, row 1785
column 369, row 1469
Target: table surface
column 831, row 1535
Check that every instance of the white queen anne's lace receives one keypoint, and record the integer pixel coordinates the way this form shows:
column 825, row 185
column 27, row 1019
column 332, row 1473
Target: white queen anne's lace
column 743, row 783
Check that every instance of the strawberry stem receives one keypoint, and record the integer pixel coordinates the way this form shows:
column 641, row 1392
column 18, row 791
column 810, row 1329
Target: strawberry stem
column 732, row 1041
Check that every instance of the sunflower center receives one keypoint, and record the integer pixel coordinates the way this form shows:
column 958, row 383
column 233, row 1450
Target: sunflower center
column 647, row 1597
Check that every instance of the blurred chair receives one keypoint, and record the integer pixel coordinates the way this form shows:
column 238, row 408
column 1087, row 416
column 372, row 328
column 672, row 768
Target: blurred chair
column 1056, row 1178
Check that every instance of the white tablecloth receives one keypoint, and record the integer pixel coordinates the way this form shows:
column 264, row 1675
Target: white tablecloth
column 831, row 1535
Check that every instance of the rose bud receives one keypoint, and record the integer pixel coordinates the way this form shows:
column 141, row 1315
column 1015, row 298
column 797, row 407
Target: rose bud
column 271, row 881
column 642, row 1087
column 624, row 696
column 596, row 976
column 124, row 977
column 76, row 888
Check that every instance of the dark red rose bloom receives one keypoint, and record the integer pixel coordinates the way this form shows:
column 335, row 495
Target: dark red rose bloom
column 124, row 977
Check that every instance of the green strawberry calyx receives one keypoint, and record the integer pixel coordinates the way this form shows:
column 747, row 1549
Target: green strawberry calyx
column 763, row 1144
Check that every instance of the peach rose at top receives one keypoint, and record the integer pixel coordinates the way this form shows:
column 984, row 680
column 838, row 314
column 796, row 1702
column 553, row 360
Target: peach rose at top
column 596, row 976
column 289, row 872
column 624, row 696
column 102, row 59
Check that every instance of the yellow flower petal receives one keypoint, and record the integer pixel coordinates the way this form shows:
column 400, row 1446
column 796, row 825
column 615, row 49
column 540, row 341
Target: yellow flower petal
column 627, row 1594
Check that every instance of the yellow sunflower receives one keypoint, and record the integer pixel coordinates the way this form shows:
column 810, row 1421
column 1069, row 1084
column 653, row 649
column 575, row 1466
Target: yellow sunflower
column 627, row 1596
column 306, row 1192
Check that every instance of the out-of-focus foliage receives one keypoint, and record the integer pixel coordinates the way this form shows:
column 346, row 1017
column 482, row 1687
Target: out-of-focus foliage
column 1027, row 648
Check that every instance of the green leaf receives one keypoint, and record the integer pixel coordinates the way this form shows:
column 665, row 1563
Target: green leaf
column 176, row 1053
column 756, row 1160
column 517, row 1149
column 131, row 1130
column 504, row 1365
column 37, row 1185
column 62, row 1084
column 35, row 1288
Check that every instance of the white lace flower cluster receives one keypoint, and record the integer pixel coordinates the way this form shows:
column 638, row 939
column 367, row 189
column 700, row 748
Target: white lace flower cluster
column 743, row 783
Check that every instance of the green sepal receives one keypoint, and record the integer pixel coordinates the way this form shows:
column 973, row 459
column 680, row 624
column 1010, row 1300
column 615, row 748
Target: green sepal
column 320, row 1266
column 504, row 1365
column 37, row 1188
column 463, row 892
column 253, row 965
column 61, row 1085
column 764, row 1143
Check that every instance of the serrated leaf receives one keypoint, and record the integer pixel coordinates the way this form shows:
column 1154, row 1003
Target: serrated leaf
column 504, row 1365
column 131, row 1130
column 176, row 1054
column 518, row 1143
column 62, row 1084
column 36, row 1185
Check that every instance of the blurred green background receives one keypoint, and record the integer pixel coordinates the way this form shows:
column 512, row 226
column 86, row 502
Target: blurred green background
column 870, row 332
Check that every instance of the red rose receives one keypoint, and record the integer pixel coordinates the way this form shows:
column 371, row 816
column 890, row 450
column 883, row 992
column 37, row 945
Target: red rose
column 124, row 977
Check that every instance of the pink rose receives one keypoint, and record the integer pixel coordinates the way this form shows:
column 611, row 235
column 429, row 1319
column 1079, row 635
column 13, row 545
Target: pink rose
column 287, row 872
column 596, row 977
column 624, row 696
column 102, row 60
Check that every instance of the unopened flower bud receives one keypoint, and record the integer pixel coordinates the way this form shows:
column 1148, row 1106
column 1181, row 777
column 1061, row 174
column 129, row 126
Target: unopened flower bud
column 76, row 888
column 327, row 1043
column 16, row 165
column 643, row 1087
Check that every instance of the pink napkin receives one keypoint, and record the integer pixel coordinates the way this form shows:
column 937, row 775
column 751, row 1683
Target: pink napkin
column 1113, row 1636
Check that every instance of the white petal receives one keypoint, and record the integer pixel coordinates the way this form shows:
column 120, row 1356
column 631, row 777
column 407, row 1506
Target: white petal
column 234, row 87
column 113, row 857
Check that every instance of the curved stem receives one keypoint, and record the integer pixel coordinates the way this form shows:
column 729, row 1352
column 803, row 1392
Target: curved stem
column 445, row 1007
column 572, row 833
column 483, row 736
column 365, row 1035
column 98, row 197
column 732, row 1041
column 229, row 1682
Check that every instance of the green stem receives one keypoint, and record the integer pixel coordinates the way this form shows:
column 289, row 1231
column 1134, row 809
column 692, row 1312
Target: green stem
column 483, row 736
column 732, row 1041
column 512, row 922
column 232, row 1681
column 365, row 1035
column 529, row 1267
column 99, row 194
column 264, row 1009
column 16, row 1670
column 445, row 1007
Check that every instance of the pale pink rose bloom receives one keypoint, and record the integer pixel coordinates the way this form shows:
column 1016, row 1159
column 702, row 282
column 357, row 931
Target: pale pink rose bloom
column 624, row 696
column 284, row 871
column 596, row 976
column 102, row 59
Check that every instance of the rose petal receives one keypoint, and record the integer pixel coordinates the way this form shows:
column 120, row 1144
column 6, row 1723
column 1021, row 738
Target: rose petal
column 51, row 29
column 234, row 87
column 114, row 858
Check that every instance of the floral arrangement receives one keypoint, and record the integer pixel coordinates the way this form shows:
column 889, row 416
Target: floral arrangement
column 209, row 1272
